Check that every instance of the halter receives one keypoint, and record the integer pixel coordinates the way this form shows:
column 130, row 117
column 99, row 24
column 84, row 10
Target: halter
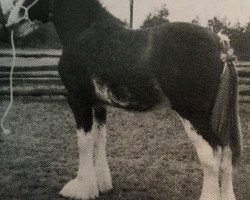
column 26, row 11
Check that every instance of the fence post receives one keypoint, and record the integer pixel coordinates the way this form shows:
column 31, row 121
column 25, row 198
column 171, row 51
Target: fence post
column 131, row 13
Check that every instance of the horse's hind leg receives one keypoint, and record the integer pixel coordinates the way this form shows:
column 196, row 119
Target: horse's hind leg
column 84, row 186
column 227, row 192
column 210, row 159
column 102, row 170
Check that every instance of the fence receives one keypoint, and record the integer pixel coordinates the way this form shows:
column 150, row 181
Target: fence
column 36, row 74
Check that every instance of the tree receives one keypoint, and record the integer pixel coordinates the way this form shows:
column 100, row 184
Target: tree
column 161, row 17
column 216, row 25
column 131, row 13
column 234, row 32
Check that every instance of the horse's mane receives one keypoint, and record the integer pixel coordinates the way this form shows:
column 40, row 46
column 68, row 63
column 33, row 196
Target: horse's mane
column 103, row 13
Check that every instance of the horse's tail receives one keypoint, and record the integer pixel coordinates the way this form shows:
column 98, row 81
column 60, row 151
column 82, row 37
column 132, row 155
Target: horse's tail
column 225, row 116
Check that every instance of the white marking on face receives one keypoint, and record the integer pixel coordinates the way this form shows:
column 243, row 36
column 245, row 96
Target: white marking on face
column 14, row 13
column 7, row 5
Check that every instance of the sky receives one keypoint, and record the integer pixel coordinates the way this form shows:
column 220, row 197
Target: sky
column 183, row 10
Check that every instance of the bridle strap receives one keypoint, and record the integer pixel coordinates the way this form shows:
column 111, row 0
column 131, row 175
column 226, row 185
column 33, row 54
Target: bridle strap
column 50, row 16
column 26, row 14
column 26, row 9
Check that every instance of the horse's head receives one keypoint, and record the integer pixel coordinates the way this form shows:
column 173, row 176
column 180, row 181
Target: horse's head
column 25, row 16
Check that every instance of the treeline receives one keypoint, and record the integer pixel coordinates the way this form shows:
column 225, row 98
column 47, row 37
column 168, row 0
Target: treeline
column 238, row 34
column 242, row 45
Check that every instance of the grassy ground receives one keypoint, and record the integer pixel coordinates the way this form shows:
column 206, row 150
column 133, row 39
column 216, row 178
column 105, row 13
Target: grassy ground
column 149, row 154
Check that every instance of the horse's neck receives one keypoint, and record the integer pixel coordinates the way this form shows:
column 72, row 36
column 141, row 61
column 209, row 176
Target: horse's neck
column 72, row 17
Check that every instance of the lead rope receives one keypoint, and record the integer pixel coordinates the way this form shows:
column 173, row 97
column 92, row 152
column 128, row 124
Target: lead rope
column 7, row 131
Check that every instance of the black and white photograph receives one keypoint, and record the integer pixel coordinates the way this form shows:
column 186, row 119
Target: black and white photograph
column 125, row 99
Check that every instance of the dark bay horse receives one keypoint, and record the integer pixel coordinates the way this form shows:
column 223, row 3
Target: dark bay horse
column 105, row 63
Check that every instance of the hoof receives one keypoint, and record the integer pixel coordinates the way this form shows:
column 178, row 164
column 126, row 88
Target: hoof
column 79, row 188
column 104, row 180
column 105, row 186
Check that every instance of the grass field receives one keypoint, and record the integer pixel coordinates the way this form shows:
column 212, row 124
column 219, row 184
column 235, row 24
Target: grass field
column 150, row 156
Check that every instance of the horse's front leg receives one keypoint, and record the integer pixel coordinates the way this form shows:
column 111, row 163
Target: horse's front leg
column 84, row 186
column 103, row 175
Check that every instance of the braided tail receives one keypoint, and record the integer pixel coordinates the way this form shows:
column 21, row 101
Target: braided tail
column 225, row 117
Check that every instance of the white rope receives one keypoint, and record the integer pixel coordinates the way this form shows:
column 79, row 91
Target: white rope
column 7, row 131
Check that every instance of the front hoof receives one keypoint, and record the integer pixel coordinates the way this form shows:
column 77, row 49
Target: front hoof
column 80, row 189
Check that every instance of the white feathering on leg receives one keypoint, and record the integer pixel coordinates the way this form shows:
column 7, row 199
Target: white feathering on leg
column 103, row 174
column 84, row 186
column 227, row 192
column 210, row 160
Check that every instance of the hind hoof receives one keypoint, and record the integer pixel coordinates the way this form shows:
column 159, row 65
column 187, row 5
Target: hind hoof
column 80, row 189
column 104, row 180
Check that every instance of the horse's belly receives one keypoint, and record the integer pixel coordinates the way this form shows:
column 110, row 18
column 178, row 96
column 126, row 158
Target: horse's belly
column 128, row 95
